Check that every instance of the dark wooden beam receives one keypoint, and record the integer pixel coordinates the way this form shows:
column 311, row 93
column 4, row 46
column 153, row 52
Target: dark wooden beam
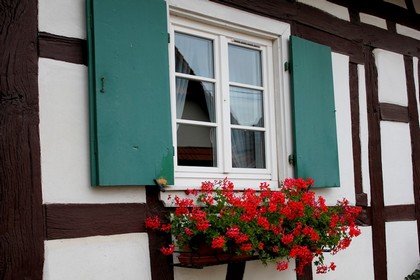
column 355, row 131
column 414, row 133
column 307, row 272
column 400, row 213
column 394, row 113
column 62, row 48
column 375, row 169
column 338, row 44
column 298, row 13
column 385, row 10
column 82, row 220
column 235, row 271
column 21, row 216
column 161, row 265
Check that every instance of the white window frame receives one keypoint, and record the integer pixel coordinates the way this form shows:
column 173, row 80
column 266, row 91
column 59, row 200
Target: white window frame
column 187, row 15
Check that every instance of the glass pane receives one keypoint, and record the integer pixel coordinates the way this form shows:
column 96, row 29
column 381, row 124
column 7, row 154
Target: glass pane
column 245, row 65
column 246, row 107
column 193, row 55
column 195, row 100
column 248, row 149
column 196, row 145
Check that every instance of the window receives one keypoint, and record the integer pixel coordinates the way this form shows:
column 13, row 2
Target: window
column 221, row 98
column 223, row 101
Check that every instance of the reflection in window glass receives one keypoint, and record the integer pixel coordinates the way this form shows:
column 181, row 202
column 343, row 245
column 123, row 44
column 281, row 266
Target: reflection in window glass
column 196, row 145
column 245, row 65
column 246, row 107
column 194, row 55
column 195, row 100
column 248, row 149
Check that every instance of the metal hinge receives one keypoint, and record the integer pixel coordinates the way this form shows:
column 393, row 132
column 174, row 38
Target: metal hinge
column 291, row 160
column 286, row 66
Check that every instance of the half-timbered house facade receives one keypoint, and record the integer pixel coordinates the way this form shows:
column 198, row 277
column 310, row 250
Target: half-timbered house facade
column 100, row 98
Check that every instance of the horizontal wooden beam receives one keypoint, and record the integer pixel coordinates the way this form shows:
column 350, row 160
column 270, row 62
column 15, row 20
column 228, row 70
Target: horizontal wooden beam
column 393, row 112
column 62, row 48
column 400, row 213
column 385, row 10
column 82, row 220
column 294, row 12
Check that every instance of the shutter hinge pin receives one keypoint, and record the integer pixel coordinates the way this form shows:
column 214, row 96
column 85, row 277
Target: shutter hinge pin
column 286, row 66
column 291, row 160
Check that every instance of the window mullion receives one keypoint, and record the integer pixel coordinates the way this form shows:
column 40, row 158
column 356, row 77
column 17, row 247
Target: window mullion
column 224, row 78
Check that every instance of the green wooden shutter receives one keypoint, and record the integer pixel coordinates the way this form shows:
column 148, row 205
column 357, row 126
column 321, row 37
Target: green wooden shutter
column 131, row 138
column 315, row 136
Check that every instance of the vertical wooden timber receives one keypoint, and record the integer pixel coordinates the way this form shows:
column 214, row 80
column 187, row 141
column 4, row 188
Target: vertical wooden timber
column 415, row 135
column 21, row 222
column 307, row 272
column 375, row 168
column 361, row 198
column 235, row 271
column 161, row 265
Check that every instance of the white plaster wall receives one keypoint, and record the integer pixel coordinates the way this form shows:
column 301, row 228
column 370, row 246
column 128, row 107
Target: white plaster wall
column 64, row 136
column 407, row 31
column 396, row 163
column 391, row 77
column 256, row 270
column 364, row 131
column 64, row 17
column 416, row 4
column 402, row 249
column 331, row 8
column 372, row 20
column 343, row 118
column 355, row 262
column 400, row 3
column 217, row 272
column 98, row 258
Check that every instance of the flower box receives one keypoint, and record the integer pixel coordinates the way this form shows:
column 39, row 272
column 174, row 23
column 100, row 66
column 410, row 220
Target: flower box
column 271, row 225
column 205, row 255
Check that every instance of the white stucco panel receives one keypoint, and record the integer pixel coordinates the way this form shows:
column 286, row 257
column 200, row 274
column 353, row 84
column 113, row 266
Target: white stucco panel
column 355, row 262
column 392, row 86
column 372, row 20
column 407, row 31
column 331, row 8
column 98, row 258
column 417, row 6
column 400, row 3
column 64, row 136
column 217, row 272
column 256, row 270
column 364, row 131
column 65, row 17
column 343, row 118
column 402, row 249
column 396, row 163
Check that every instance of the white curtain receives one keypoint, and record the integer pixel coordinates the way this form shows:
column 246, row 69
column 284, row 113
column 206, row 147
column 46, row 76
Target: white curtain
column 181, row 66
